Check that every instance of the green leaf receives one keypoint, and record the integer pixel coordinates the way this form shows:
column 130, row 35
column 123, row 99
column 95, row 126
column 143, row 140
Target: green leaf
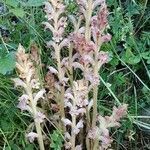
column 5, row 125
column 145, row 55
column 3, row 52
column 7, row 63
column 36, row 3
column 52, row 145
column 148, row 61
column 129, row 53
column 18, row 12
column 130, row 58
column 29, row 147
column 13, row 3
column 56, row 142
column 134, row 60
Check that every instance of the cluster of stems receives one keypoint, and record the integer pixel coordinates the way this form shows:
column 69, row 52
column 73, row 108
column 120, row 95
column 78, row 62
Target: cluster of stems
column 78, row 59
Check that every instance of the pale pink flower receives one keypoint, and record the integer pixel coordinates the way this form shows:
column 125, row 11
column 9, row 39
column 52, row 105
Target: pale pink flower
column 54, row 12
column 86, row 59
column 69, row 96
column 93, row 133
column 106, row 38
column 31, row 136
column 53, row 70
column 113, row 120
column 19, row 82
column 119, row 112
column 57, row 86
column 67, row 136
column 57, row 4
column 80, row 124
column 78, row 65
column 49, row 26
column 82, row 102
column 102, row 17
column 39, row 95
column 35, row 84
column 65, row 62
column 57, row 35
column 66, row 121
column 103, row 57
column 51, row 44
column 104, row 123
column 82, row 3
column 99, row 23
column 67, row 103
column 81, row 45
column 78, row 147
column 65, row 43
column 62, row 22
column 68, row 145
column 64, row 81
column 76, row 111
column 77, row 128
column 21, row 49
column 81, row 30
column 23, row 102
column 105, row 141
column 49, row 10
column 94, row 80
column 81, row 111
column 39, row 117
column 97, row 3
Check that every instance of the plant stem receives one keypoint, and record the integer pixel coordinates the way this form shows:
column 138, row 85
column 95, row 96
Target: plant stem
column 60, row 76
column 73, row 134
column 37, row 124
column 40, row 137
column 70, row 67
column 88, row 18
column 95, row 90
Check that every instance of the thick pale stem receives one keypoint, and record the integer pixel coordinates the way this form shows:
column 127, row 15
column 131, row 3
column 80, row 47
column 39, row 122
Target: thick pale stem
column 73, row 137
column 37, row 124
column 40, row 137
column 62, row 111
column 70, row 63
column 60, row 76
column 95, row 92
column 88, row 19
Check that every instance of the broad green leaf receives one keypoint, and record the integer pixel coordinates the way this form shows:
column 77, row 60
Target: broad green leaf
column 145, row 55
column 18, row 12
column 13, row 3
column 2, row 51
column 129, row 53
column 134, row 60
column 148, row 61
column 36, row 3
column 7, row 63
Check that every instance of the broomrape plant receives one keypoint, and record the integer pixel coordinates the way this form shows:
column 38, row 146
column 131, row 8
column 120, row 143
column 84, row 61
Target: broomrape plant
column 74, row 97
column 32, row 93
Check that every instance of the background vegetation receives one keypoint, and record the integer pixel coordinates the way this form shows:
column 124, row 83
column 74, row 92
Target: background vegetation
column 126, row 78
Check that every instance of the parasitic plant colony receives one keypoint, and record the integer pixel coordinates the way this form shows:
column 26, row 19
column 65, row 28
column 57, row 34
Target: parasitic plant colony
column 73, row 80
